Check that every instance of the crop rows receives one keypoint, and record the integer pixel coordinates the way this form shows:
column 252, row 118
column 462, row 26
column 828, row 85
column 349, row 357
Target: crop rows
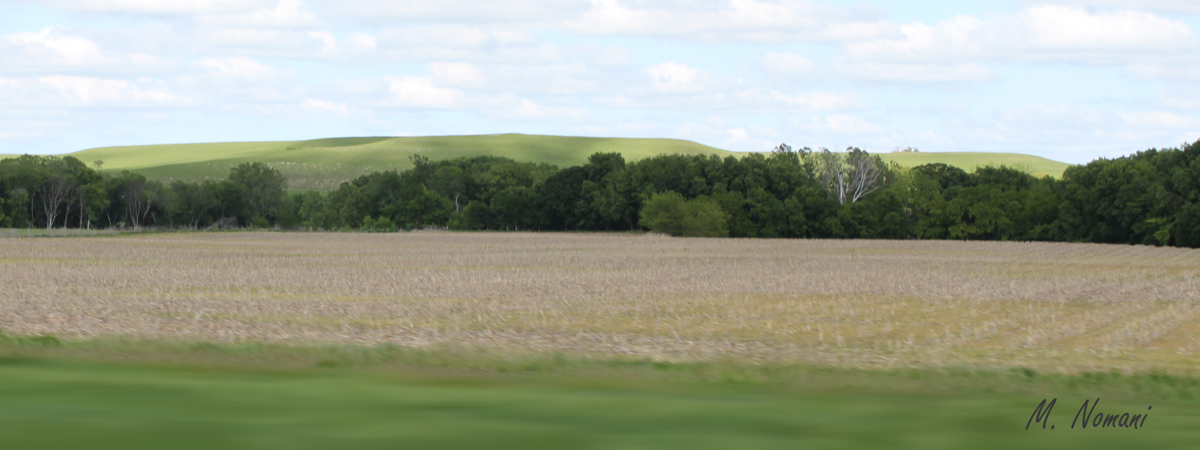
column 853, row 303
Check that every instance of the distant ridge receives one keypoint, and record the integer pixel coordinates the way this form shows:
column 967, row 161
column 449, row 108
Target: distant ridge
column 1035, row 165
column 322, row 164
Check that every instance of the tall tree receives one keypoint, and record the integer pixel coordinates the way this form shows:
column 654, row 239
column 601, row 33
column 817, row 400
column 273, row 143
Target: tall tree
column 668, row 212
column 263, row 188
column 188, row 204
column 56, row 190
column 850, row 176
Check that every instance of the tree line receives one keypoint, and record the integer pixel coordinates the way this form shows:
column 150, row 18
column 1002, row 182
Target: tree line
column 1150, row 197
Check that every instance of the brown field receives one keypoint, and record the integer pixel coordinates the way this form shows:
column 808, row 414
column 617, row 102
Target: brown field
column 874, row 304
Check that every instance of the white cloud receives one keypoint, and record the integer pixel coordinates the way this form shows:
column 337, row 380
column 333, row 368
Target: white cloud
column 859, row 31
column 240, row 82
column 50, row 46
column 820, row 101
column 1173, row 6
column 673, row 77
column 738, row 138
column 1161, row 119
column 50, row 50
column 1180, row 98
column 531, row 110
column 739, row 20
column 919, row 73
column 753, row 101
column 269, row 42
column 458, row 74
column 450, row 36
column 611, row 56
column 1185, row 71
column 416, row 92
column 618, row 101
column 329, row 44
column 565, row 78
column 1046, row 32
column 62, row 90
column 840, row 124
column 314, row 106
column 359, row 43
column 773, row 101
column 239, row 68
column 285, row 14
column 463, row 43
column 786, row 64
column 461, row 11
column 1065, row 28
column 363, row 87
column 949, row 38
column 160, row 6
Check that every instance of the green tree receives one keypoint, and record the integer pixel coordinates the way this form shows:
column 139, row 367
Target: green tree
column 229, row 204
column 418, row 207
column 18, row 208
column 95, row 201
column 476, row 215
column 511, row 208
column 608, row 201
column 189, row 204
column 668, row 212
column 559, row 200
column 132, row 200
column 263, row 188
column 311, row 209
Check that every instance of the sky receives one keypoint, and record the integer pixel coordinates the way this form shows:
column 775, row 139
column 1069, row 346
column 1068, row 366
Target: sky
column 1070, row 80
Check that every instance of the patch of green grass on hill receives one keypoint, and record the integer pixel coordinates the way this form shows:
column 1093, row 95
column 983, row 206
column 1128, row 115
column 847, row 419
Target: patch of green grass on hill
column 322, row 164
column 968, row 161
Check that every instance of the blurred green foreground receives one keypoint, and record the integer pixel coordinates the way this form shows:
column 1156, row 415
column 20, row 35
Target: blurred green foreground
column 54, row 403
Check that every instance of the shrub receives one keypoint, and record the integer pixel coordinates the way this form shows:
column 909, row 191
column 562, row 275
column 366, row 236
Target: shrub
column 668, row 212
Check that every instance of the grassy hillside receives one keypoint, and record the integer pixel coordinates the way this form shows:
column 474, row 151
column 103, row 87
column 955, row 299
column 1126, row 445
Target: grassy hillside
column 1035, row 165
column 322, row 164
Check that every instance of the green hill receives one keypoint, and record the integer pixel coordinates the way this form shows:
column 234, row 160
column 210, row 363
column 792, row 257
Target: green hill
column 1035, row 165
column 322, row 164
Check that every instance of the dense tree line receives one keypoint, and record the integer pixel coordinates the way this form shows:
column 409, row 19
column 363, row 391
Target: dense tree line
column 51, row 192
column 1151, row 197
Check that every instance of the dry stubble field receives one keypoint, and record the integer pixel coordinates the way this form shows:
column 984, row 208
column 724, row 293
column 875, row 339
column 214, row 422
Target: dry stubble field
column 870, row 304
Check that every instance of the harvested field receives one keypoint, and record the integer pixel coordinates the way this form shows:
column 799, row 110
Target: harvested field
column 1068, row 307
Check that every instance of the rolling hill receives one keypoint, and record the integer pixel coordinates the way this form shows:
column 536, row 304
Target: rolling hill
column 1036, row 165
column 322, row 164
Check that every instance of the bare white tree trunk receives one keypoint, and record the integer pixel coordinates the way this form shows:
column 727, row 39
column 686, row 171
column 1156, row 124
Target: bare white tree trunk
column 150, row 199
column 868, row 174
column 138, row 203
column 850, row 176
column 54, row 193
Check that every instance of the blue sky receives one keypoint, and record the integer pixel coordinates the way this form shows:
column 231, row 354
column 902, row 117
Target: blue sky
column 1071, row 80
